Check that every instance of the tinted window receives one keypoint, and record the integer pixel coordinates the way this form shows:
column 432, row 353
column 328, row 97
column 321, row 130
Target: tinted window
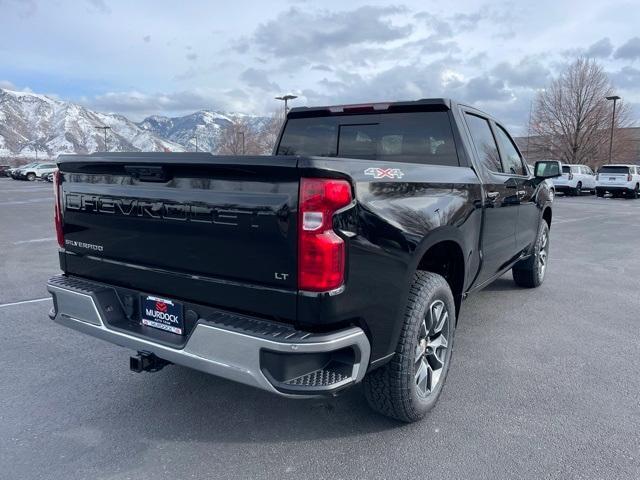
column 511, row 160
column 422, row 137
column 484, row 142
column 612, row 169
column 566, row 169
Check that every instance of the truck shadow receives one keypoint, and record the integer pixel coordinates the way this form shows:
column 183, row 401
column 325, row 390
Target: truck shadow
column 179, row 404
column 502, row 284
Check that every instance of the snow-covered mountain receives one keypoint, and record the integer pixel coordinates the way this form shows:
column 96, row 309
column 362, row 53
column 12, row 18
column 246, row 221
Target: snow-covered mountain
column 29, row 121
column 204, row 126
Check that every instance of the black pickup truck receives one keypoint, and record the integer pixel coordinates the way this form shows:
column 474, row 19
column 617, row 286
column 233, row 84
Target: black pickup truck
column 343, row 257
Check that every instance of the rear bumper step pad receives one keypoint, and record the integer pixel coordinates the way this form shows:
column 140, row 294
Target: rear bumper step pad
column 227, row 345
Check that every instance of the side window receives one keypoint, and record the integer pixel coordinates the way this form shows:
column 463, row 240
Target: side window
column 484, row 142
column 510, row 156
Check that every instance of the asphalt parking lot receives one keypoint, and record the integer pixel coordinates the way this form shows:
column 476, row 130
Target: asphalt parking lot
column 544, row 383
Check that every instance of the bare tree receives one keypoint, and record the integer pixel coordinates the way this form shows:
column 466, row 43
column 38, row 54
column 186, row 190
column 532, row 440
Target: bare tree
column 237, row 138
column 270, row 130
column 571, row 121
column 245, row 136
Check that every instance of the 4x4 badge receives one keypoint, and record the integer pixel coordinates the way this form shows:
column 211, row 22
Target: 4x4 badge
column 376, row 172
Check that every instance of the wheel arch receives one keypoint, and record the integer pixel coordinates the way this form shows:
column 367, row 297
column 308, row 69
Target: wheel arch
column 547, row 215
column 442, row 252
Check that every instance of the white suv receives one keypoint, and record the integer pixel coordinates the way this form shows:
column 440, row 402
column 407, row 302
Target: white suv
column 575, row 179
column 37, row 170
column 619, row 180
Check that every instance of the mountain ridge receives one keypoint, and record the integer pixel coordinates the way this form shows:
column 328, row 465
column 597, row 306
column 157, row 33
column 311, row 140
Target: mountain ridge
column 31, row 122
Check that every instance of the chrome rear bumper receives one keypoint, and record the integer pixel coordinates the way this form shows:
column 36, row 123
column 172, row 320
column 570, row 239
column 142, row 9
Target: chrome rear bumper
column 243, row 349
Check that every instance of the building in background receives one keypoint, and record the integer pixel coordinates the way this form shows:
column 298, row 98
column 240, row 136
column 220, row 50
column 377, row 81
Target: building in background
column 532, row 149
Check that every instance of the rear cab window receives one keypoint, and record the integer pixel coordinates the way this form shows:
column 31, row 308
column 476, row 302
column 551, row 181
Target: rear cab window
column 414, row 137
column 614, row 169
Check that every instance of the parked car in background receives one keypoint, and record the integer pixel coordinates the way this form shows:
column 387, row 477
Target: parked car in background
column 575, row 179
column 4, row 170
column 15, row 172
column 36, row 170
column 618, row 180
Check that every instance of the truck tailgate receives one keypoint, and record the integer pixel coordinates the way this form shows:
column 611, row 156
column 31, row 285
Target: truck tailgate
column 184, row 220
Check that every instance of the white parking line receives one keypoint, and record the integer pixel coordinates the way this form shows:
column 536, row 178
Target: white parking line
column 31, row 200
column 2, row 305
column 581, row 219
column 594, row 217
column 23, row 190
column 34, row 240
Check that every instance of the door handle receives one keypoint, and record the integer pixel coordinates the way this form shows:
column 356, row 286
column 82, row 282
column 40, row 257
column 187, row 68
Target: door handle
column 493, row 195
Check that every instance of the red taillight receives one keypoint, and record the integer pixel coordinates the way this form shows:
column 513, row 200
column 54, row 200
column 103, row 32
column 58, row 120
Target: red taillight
column 320, row 251
column 629, row 178
column 57, row 215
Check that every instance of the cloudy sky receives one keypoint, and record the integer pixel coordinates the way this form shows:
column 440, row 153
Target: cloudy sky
column 164, row 57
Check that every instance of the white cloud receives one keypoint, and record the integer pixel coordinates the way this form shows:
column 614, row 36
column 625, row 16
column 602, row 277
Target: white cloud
column 238, row 57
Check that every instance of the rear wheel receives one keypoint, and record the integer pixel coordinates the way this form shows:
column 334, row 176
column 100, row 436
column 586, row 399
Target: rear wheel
column 578, row 190
column 600, row 193
column 31, row 177
column 409, row 385
column 530, row 272
column 635, row 193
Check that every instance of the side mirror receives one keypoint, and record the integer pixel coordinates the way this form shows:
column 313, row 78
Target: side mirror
column 548, row 169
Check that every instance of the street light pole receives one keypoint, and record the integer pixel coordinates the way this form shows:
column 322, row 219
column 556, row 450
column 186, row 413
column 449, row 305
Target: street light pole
column 615, row 98
column 529, row 128
column 286, row 99
column 104, row 129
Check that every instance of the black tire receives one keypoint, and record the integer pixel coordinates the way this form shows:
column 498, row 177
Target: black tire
column 600, row 193
column 578, row 190
column 530, row 272
column 403, row 388
column 31, row 176
column 635, row 193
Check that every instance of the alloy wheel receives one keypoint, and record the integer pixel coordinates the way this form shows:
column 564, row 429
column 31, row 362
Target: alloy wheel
column 431, row 350
column 543, row 253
